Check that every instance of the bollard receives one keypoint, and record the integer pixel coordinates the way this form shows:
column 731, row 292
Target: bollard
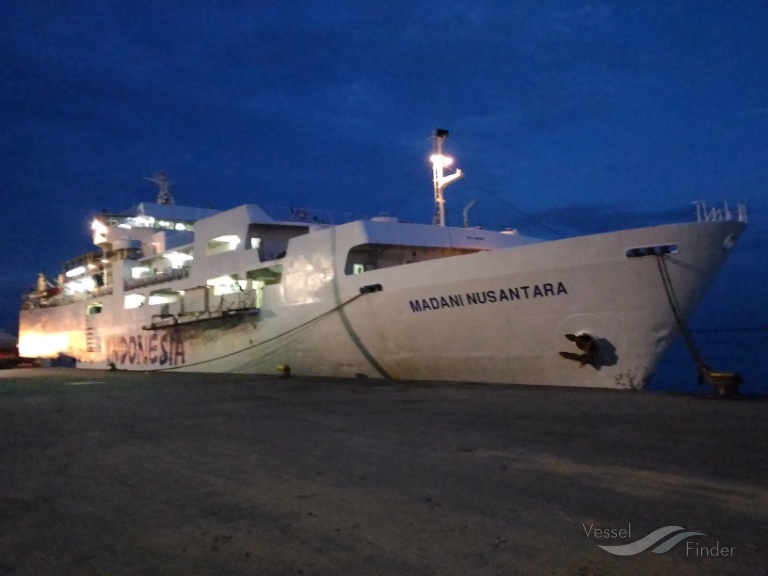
column 284, row 370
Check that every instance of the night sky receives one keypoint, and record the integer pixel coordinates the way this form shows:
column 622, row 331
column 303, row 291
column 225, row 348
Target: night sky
column 567, row 117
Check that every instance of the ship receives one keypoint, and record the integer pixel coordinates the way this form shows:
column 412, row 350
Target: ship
column 176, row 288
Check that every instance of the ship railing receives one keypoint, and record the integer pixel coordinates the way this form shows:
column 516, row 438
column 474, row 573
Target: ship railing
column 101, row 291
column 166, row 275
column 242, row 300
column 721, row 212
column 177, row 314
column 32, row 301
column 306, row 215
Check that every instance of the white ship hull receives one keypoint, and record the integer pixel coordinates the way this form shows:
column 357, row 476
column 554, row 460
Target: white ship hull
column 498, row 315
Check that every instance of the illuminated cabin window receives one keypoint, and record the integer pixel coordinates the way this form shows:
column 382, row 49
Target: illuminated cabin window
column 267, row 275
column 81, row 285
column 178, row 259
column 164, row 297
column 133, row 301
column 222, row 244
column 659, row 250
column 227, row 285
column 140, row 271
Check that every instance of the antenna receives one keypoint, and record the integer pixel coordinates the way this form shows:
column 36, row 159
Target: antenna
column 466, row 212
column 164, row 185
column 441, row 182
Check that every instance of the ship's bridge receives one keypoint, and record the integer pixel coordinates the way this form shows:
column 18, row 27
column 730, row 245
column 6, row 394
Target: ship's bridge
column 144, row 220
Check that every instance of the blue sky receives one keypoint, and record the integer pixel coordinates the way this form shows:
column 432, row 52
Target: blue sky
column 584, row 116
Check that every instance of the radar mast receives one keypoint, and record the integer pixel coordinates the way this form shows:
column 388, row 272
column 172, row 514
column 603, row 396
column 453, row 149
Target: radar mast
column 441, row 182
column 164, row 188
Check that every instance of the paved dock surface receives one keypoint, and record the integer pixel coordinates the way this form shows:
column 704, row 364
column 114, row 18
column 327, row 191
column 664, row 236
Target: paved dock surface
column 114, row 473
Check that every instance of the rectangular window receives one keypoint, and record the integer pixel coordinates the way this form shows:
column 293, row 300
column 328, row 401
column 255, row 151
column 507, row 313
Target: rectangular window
column 221, row 244
column 367, row 257
column 164, row 297
column 268, row 275
column 133, row 301
column 226, row 284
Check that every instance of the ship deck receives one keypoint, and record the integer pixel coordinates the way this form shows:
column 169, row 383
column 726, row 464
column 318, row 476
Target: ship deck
column 158, row 473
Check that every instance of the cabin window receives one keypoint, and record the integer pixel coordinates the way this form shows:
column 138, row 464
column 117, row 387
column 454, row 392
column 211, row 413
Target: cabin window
column 178, row 259
column 227, row 284
column 132, row 301
column 271, row 240
column 81, row 285
column 133, row 253
column 263, row 277
column 221, row 244
column 267, row 275
column 164, row 297
column 367, row 257
column 94, row 308
column 139, row 271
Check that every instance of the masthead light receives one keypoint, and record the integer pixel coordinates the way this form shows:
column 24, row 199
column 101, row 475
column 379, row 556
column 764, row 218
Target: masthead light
column 439, row 159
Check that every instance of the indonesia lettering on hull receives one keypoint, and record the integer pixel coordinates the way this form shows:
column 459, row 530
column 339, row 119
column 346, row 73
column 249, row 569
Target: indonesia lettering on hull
column 155, row 349
column 488, row 296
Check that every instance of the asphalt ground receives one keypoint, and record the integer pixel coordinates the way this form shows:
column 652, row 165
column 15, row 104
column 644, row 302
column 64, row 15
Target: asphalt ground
column 115, row 473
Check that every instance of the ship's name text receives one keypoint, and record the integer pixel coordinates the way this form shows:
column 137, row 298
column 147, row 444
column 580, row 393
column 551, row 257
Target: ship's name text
column 488, row 296
column 160, row 349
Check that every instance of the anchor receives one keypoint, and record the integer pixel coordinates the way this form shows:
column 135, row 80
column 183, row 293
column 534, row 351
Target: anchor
column 584, row 342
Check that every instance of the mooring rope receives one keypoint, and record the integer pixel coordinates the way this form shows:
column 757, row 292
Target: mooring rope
column 679, row 318
column 724, row 383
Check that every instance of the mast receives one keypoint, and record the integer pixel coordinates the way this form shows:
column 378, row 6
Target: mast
column 441, row 182
column 164, row 185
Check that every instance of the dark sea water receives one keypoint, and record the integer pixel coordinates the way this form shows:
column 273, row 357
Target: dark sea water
column 743, row 350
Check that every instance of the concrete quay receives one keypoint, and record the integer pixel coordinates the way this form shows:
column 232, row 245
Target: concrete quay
column 118, row 473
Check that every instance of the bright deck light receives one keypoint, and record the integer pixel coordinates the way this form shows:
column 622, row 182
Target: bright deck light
column 138, row 271
column 231, row 239
column 99, row 231
column 177, row 259
column 75, row 272
column 81, row 285
column 438, row 159
column 41, row 345
column 132, row 301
